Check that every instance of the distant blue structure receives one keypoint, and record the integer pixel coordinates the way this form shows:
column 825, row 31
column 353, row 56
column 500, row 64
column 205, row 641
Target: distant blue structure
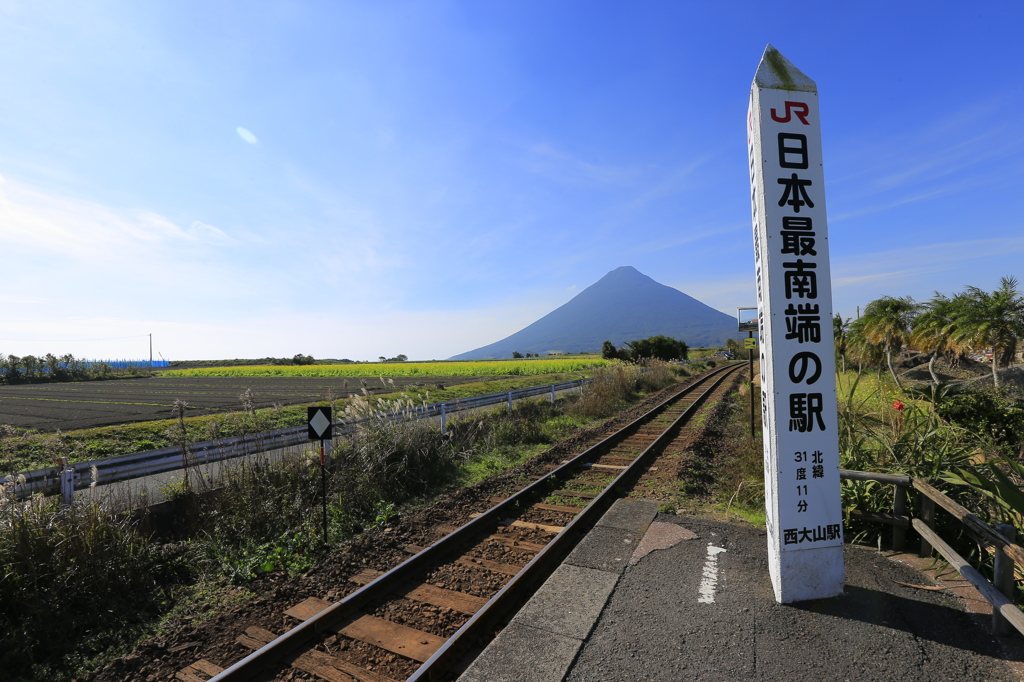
column 128, row 364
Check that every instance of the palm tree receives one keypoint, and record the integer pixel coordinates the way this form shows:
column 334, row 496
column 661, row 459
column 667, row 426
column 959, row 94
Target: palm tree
column 840, row 329
column 860, row 348
column 887, row 322
column 994, row 319
column 936, row 330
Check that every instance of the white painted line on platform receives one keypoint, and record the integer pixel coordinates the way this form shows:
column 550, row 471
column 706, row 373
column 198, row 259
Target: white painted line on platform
column 709, row 581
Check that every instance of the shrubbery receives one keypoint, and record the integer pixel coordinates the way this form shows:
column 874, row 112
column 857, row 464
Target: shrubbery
column 987, row 412
column 658, row 347
column 77, row 582
column 613, row 386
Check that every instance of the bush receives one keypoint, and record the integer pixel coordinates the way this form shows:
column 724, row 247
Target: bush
column 997, row 416
column 77, row 583
column 614, row 386
column 657, row 348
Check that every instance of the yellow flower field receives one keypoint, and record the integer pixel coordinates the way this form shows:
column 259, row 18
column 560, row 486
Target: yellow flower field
column 401, row 369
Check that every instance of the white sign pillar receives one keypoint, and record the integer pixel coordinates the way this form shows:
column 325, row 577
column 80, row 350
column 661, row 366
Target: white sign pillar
column 794, row 300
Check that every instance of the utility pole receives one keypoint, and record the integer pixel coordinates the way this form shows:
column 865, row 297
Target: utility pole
column 150, row 349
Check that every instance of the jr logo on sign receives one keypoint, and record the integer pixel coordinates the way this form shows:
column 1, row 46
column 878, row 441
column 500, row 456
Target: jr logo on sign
column 801, row 109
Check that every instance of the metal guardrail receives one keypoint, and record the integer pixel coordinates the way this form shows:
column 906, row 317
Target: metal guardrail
column 125, row 467
column 1008, row 554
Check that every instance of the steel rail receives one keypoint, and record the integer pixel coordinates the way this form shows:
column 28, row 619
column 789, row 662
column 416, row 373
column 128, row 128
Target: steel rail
column 331, row 617
column 545, row 561
column 137, row 465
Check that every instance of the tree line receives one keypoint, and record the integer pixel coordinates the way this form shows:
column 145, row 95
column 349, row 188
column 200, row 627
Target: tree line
column 30, row 369
column 945, row 326
column 658, row 347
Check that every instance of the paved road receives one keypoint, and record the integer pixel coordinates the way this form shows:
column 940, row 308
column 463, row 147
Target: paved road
column 703, row 609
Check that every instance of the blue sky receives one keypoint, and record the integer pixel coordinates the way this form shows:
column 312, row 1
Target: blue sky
column 356, row 179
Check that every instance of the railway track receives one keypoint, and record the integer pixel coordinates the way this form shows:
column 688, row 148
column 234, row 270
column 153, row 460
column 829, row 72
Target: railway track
column 426, row 616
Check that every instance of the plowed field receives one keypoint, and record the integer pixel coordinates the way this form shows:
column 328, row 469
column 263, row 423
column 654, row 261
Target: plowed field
column 82, row 405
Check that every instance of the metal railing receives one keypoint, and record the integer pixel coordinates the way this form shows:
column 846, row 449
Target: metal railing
column 1008, row 553
column 125, row 467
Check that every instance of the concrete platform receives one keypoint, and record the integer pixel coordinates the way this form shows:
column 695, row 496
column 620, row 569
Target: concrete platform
column 648, row 596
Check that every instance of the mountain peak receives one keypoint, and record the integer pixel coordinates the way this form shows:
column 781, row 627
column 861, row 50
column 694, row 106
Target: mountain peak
column 624, row 271
column 624, row 305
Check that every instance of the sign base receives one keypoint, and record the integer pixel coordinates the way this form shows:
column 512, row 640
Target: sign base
column 807, row 573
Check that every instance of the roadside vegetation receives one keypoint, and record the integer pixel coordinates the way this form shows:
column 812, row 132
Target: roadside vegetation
column 82, row 586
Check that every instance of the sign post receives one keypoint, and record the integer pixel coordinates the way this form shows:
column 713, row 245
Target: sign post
column 794, row 300
column 746, row 319
column 321, row 428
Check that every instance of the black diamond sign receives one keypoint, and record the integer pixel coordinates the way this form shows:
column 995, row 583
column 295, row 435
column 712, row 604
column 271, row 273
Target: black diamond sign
column 319, row 422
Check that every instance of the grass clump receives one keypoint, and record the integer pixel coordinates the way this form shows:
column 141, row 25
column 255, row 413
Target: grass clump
column 77, row 585
column 615, row 386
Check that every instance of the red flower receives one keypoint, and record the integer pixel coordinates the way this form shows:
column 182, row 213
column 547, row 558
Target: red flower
column 898, row 405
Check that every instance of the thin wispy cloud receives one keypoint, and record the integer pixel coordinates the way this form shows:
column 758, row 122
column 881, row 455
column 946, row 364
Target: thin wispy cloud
column 246, row 135
column 677, row 181
column 560, row 165
column 86, row 230
column 688, row 235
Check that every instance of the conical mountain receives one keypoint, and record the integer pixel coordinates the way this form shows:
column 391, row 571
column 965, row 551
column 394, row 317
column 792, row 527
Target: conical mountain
column 624, row 305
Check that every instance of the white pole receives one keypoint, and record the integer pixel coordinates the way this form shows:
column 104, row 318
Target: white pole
column 794, row 300
column 444, row 420
column 510, row 401
column 67, row 486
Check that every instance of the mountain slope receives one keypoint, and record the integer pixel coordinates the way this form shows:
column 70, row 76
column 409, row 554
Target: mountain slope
column 622, row 306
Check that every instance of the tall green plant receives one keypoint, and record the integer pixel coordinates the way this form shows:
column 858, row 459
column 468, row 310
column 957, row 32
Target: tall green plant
column 993, row 319
column 76, row 582
column 937, row 329
column 893, row 437
column 887, row 322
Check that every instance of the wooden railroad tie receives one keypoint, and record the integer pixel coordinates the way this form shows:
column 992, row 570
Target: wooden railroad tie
column 200, row 671
column 558, row 508
column 517, row 544
column 334, row 669
column 255, row 637
column 526, row 524
column 496, row 566
column 423, row 592
column 398, row 639
column 533, row 526
column 575, row 493
column 612, row 459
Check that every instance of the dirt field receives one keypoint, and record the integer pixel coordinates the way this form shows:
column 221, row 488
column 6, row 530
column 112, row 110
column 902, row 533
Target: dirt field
column 81, row 405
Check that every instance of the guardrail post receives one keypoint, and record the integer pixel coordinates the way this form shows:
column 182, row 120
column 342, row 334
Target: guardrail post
column 928, row 516
column 552, row 394
column 510, row 401
column 444, row 420
column 1002, row 578
column 67, row 486
column 899, row 508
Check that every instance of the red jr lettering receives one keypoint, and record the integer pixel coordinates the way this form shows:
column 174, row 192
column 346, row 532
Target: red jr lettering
column 799, row 108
